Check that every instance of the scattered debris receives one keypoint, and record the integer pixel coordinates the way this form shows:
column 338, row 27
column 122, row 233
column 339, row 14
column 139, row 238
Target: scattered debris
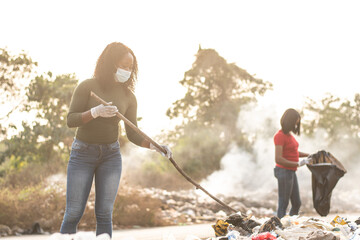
column 242, row 223
column 270, row 225
column 263, row 236
column 5, row 230
column 79, row 236
column 289, row 228
column 321, row 235
column 220, row 228
column 187, row 207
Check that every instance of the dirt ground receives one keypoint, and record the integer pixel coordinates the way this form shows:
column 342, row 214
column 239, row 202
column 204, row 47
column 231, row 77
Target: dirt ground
column 172, row 232
column 177, row 232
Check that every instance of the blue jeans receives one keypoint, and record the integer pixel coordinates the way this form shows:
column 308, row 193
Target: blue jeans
column 288, row 190
column 86, row 161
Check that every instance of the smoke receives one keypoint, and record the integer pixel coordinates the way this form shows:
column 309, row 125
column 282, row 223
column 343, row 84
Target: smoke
column 245, row 174
column 133, row 158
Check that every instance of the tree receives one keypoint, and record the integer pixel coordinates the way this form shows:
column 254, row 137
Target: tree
column 15, row 70
column 47, row 138
column 339, row 118
column 216, row 91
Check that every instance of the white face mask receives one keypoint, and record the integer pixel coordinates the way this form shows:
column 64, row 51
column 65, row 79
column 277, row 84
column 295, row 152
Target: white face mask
column 122, row 75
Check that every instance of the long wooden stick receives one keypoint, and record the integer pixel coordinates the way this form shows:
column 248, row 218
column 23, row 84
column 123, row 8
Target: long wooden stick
column 137, row 130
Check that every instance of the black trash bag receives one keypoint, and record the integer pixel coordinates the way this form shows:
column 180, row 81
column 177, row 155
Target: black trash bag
column 326, row 171
column 271, row 224
column 242, row 222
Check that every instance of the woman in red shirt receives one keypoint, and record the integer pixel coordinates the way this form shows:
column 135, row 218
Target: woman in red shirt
column 287, row 161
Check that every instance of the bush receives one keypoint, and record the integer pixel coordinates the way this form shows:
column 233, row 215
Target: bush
column 23, row 207
column 30, row 174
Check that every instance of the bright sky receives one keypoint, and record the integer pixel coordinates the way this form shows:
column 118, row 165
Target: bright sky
column 305, row 48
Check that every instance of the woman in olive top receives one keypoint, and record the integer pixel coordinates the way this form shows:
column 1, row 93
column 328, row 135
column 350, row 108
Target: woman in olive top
column 287, row 161
column 95, row 150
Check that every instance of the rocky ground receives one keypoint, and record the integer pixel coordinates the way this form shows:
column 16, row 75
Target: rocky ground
column 192, row 206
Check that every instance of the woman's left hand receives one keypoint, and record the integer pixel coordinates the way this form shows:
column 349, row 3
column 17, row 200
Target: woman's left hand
column 165, row 147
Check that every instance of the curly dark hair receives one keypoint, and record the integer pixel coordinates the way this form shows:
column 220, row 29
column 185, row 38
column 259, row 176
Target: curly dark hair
column 288, row 121
column 106, row 65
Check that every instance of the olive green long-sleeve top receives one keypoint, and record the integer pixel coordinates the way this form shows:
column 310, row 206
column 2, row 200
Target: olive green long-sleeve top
column 102, row 130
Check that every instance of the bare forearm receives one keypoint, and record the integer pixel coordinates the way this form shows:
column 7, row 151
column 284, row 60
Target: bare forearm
column 286, row 163
column 302, row 154
column 86, row 117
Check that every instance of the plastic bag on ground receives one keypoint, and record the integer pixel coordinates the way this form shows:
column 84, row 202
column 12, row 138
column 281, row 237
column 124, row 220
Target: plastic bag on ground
column 80, row 236
column 263, row 236
column 293, row 221
column 271, row 225
column 356, row 235
column 242, row 224
column 233, row 235
column 316, row 224
column 321, row 235
column 192, row 237
column 294, row 233
column 220, row 228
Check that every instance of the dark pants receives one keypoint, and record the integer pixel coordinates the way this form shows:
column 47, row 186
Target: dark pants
column 288, row 189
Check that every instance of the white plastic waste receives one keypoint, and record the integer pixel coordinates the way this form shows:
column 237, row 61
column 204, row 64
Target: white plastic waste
column 192, row 237
column 356, row 235
column 79, row 236
column 233, row 235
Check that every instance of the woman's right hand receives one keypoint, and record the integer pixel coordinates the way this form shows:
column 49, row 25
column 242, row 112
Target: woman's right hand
column 303, row 162
column 104, row 111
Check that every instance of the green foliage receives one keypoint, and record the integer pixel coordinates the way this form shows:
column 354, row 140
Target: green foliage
column 47, row 138
column 216, row 91
column 339, row 118
column 51, row 99
column 13, row 69
column 200, row 149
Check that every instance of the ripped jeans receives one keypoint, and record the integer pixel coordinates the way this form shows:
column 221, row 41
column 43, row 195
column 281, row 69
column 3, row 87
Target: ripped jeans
column 288, row 190
column 86, row 161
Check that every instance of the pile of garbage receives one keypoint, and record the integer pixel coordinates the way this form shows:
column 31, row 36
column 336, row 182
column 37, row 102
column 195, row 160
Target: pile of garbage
column 240, row 227
column 237, row 227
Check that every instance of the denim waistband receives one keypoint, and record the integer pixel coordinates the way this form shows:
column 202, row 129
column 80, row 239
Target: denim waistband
column 97, row 144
